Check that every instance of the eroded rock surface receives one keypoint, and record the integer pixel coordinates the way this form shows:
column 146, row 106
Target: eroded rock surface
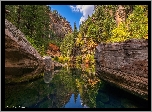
column 22, row 61
column 59, row 25
column 20, row 57
column 124, row 65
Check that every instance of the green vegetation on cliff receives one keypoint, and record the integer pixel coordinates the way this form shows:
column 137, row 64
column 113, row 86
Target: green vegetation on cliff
column 102, row 26
column 33, row 21
column 108, row 23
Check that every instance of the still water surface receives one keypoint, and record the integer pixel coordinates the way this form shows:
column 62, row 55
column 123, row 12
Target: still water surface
column 69, row 88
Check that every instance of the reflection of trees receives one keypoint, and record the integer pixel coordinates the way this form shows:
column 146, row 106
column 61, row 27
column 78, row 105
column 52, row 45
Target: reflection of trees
column 90, row 87
column 38, row 94
column 56, row 93
column 87, row 84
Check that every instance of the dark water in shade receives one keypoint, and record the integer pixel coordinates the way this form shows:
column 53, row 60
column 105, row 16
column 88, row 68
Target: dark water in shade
column 69, row 88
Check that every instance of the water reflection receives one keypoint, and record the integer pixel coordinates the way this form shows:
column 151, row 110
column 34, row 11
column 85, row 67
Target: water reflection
column 69, row 88
column 48, row 75
column 72, row 103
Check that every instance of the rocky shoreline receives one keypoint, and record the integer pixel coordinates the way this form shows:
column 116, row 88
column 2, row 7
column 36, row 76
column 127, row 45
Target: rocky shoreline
column 22, row 61
column 124, row 65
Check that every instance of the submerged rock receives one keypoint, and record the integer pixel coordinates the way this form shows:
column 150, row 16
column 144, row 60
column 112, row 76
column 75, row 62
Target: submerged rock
column 109, row 106
column 100, row 104
column 115, row 103
column 103, row 97
column 127, row 103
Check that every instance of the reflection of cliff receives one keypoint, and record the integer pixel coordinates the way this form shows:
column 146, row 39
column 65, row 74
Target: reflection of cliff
column 54, row 90
column 58, row 89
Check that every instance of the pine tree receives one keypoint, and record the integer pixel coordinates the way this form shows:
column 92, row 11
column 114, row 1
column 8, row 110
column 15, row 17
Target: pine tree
column 33, row 21
column 66, row 45
column 75, row 32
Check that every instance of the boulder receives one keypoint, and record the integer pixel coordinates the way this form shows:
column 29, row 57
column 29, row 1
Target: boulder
column 49, row 64
column 57, row 64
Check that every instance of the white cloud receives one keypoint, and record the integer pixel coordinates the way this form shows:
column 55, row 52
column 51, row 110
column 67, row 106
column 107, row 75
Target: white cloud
column 74, row 8
column 84, row 9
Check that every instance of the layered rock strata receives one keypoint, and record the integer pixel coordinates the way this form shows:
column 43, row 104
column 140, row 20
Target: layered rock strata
column 124, row 65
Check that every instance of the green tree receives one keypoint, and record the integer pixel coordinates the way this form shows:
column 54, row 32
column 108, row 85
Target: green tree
column 67, row 44
column 100, row 24
column 75, row 34
column 105, row 21
column 135, row 26
column 137, row 22
column 15, row 14
column 33, row 21
column 75, row 31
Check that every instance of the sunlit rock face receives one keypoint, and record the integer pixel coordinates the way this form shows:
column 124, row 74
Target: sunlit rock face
column 20, row 57
column 120, row 14
column 124, row 65
column 59, row 25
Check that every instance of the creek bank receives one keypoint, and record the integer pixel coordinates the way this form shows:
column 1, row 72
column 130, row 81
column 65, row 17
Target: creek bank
column 124, row 65
column 22, row 61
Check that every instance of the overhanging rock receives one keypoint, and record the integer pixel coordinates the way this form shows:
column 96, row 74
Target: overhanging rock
column 21, row 59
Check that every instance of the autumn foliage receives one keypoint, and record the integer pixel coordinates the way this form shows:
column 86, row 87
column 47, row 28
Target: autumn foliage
column 53, row 47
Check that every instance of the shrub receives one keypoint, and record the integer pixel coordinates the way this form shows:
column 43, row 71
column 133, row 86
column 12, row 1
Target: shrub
column 137, row 22
column 119, row 34
column 79, row 59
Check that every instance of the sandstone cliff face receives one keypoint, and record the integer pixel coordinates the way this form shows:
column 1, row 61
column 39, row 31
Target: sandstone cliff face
column 120, row 14
column 59, row 25
column 20, row 57
column 124, row 65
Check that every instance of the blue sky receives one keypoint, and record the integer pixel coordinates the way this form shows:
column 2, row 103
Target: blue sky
column 74, row 13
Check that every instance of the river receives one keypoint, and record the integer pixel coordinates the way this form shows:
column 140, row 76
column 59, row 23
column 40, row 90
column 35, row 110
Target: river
column 69, row 88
